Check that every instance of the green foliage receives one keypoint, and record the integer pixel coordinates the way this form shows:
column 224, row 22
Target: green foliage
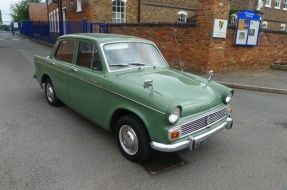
column 1, row 22
column 20, row 10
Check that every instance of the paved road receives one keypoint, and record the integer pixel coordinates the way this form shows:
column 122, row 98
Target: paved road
column 42, row 147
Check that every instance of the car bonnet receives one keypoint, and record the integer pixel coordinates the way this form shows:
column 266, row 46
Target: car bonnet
column 192, row 93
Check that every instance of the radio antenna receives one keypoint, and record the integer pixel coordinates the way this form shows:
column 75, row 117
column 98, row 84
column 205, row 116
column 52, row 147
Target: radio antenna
column 179, row 58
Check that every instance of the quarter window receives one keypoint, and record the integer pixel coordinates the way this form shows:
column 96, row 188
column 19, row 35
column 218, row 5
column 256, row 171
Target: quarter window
column 119, row 11
column 65, row 51
column 277, row 4
column 182, row 16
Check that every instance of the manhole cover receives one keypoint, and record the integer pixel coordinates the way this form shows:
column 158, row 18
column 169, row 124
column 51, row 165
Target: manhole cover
column 160, row 161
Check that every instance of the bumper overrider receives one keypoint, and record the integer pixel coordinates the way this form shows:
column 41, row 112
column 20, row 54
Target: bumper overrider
column 192, row 142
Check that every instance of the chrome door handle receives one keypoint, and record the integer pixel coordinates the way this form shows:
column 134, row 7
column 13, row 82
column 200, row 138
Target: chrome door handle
column 73, row 69
column 52, row 63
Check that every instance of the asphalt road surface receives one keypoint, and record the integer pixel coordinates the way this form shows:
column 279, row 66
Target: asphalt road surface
column 42, row 147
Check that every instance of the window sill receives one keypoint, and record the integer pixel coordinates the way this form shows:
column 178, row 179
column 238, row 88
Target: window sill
column 276, row 7
column 268, row 6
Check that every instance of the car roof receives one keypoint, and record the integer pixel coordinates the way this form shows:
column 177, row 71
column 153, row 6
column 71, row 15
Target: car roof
column 105, row 38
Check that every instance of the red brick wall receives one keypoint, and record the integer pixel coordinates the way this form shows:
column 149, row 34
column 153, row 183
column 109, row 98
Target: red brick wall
column 202, row 56
column 38, row 11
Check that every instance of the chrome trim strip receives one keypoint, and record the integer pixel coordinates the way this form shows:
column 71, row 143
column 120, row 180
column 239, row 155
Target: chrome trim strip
column 135, row 101
column 106, row 89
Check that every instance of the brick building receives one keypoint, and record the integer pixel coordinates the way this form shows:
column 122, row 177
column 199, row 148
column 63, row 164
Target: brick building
column 38, row 11
column 197, row 48
column 273, row 12
column 122, row 11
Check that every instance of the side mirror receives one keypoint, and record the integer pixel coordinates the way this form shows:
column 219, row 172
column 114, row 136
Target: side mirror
column 148, row 83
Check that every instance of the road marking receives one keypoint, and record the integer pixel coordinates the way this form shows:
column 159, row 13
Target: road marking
column 15, row 39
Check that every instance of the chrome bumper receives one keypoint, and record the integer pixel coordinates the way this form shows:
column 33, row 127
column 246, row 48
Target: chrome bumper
column 192, row 142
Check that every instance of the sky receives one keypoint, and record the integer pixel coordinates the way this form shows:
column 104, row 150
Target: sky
column 5, row 9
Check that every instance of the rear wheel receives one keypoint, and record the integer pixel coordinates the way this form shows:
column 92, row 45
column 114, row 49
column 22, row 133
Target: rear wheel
column 133, row 139
column 50, row 93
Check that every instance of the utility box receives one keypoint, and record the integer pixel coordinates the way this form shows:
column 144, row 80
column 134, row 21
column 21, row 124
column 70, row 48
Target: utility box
column 247, row 28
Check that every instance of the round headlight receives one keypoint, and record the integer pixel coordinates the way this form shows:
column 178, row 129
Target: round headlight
column 174, row 115
column 228, row 97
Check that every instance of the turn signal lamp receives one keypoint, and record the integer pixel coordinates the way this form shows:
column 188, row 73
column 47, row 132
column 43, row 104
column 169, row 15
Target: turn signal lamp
column 174, row 135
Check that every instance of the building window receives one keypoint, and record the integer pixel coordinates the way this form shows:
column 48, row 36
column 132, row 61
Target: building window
column 282, row 27
column 277, row 4
column 79, row 5
column 268, row 3
column 182, row 16
column 264, row 24
column 285, row 5
column 119, row 11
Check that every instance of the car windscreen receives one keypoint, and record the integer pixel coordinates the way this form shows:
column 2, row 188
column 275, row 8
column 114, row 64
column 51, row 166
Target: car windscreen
column 126, row 55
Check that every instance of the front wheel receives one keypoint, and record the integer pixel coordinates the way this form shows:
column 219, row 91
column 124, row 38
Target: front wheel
column 50, row 93
column 133, row 139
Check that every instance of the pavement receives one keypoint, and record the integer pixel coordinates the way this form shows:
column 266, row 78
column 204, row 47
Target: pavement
column 264, row 80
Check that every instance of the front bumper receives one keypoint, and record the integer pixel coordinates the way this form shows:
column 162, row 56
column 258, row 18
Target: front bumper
column 192, row 142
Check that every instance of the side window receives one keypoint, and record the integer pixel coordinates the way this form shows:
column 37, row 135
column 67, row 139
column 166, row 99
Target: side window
column 65, row 51
column 88, row 56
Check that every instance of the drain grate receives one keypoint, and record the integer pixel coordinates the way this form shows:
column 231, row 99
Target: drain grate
column 160, row 161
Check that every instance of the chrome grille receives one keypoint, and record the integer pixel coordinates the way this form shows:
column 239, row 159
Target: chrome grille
column 202, row 122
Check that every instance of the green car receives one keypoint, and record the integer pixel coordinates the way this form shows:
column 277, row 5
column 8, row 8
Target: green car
column 124, row 85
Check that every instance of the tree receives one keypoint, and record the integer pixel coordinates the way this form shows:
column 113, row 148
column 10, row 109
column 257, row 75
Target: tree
column 20, row 10
column 1, row 22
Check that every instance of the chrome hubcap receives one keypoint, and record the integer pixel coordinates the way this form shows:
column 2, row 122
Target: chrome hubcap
column 50, row 92
column 128, row 140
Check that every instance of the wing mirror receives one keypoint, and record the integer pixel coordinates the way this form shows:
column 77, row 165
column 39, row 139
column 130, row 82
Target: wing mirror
column 148, row 83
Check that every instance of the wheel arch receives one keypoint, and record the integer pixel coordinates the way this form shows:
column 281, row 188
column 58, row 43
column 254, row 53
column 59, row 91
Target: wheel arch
column 122, row 112
column 44, row 78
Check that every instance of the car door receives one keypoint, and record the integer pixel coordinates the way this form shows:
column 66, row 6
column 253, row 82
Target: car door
column 61, row 63
column 84, row 83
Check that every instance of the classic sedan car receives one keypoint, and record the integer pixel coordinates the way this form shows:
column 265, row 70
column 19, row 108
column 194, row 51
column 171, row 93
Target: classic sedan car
column 124, row 85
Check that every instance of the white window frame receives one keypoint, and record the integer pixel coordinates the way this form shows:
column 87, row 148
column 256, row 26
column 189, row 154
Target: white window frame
column 277, row 4
column 265, row 24
column 58, row 21
column 119, row 17
column 79, row 5
column 234, row 19
column 268, row 3
column 182, row 16
column 54, row 21
column 285, row 5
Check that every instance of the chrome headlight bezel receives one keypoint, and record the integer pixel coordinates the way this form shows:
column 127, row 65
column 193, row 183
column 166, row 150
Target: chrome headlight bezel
column 174, row 115
column 228, row 98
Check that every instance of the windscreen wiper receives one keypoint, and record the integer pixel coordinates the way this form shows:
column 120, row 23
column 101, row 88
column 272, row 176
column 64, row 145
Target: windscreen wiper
column 119, row 65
